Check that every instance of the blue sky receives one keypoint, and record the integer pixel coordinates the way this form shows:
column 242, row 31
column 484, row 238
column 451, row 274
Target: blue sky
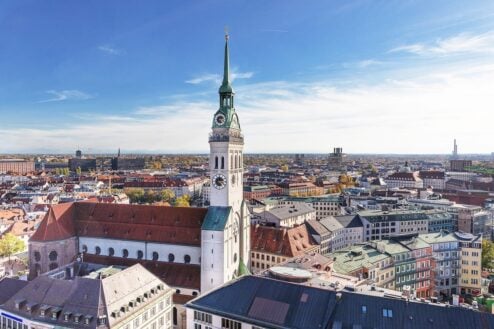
column 369, row 76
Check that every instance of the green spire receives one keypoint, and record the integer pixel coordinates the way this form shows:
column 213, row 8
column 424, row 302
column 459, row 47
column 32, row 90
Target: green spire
column 226, row 87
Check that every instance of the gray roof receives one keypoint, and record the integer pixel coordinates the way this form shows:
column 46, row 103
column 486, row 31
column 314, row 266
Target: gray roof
column 8, row 287
column 350, row 221
column 290, row 210
column 271, row 303
column 91, row 298
column 331, row 223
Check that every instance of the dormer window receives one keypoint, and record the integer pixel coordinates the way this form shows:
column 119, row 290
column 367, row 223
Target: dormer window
column 77, row 318
column 66, row 316
column 87, row 319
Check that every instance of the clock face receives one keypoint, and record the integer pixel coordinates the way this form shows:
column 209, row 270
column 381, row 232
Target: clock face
column 220, row 119
column 219, row 181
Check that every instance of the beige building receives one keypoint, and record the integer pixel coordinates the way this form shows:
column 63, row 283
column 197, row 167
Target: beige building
column 470, row 263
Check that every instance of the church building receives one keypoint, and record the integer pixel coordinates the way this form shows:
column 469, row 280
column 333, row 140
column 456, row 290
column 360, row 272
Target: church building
column 193, row 250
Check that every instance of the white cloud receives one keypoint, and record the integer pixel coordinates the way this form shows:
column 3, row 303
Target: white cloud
column 461, row 43
column 110, row 50
column 216, row 78
column 401, row 115
column 204, row 78
column 63, row 95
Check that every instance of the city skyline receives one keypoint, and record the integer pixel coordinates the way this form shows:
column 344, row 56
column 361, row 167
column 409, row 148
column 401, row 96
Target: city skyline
column 369, row 77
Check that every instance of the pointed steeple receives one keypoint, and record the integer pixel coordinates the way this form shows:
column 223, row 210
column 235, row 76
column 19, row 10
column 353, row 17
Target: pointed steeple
column 226, row 87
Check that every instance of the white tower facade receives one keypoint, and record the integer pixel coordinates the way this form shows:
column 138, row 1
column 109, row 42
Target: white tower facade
column 226, row 232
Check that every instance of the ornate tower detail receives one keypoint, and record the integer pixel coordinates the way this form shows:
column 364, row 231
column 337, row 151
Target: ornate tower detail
column 226, row 230
column 226, row 146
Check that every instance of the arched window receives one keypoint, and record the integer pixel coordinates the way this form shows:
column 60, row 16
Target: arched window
column 125, row 253
column 97, row 250
column 194, row 293
column 222, row 162
column 171, row 258
column 231, row 161
column 236, row 161
column 84, row 248
column 53, row 255
column 37, row 256
column 111, row 251
column 37, row 269
column 175, row 317
column 155, row 256
column 187, row 259
column 140, row 254
column 216, row 162
column 235, row 257
column 53, row 266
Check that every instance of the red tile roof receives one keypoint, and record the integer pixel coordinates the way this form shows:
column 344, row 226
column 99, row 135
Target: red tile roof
column 58, row 224
column 175, row 275
column 289, row 242
column 175, row 225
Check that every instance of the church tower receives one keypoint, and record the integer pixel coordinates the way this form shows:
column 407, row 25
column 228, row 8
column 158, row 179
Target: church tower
column 225, row 244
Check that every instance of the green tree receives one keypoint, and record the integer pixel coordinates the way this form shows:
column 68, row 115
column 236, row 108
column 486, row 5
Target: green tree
column 284, row 167
column 182, row 201
column 10, row 244
column 78, row 171
column 136, row 195
column 487, row 253
column 167, row 195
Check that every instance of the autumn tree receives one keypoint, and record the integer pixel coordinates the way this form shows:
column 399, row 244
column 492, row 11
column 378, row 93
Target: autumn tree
column 487, row 253
column 167, row 195
column 182, row 201
column 10, row 244
column 136, row 195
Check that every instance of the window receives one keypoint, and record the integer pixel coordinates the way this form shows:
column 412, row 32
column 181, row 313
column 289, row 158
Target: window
column 84, row 248
column 111, row 251
column 171, row 258
column 222, row 162
column 37, row 256
column 136, row 322
column 187, row 259
column 53, row 255
column 97, row 250
column 216, row 162
column 175, row 316
column 203, row 317
column 387, row 313
column 230, row 324
column 140, row 254
column 125, row 253
column 364, row 309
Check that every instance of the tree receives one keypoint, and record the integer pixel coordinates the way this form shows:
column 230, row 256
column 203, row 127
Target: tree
column 284, row 167
column 78, row 171
column 167, row 195
column 487, row 254
column 182, row 201
column 135, row 195
column 10, row 244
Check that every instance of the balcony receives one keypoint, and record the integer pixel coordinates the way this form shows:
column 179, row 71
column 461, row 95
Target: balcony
column 230, row 136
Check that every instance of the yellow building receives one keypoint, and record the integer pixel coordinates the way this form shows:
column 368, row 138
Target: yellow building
column 471, row 263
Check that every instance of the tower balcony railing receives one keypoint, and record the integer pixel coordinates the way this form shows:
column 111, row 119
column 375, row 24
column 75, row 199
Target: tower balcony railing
column 234, row 137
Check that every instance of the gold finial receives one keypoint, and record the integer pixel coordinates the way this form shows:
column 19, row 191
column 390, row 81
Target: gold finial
column 226, row 33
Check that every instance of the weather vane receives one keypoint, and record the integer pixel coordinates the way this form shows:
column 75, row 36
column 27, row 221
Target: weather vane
column 226, row 32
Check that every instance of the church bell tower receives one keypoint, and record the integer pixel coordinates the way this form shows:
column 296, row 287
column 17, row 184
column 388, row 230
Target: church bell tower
column 225, row 248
